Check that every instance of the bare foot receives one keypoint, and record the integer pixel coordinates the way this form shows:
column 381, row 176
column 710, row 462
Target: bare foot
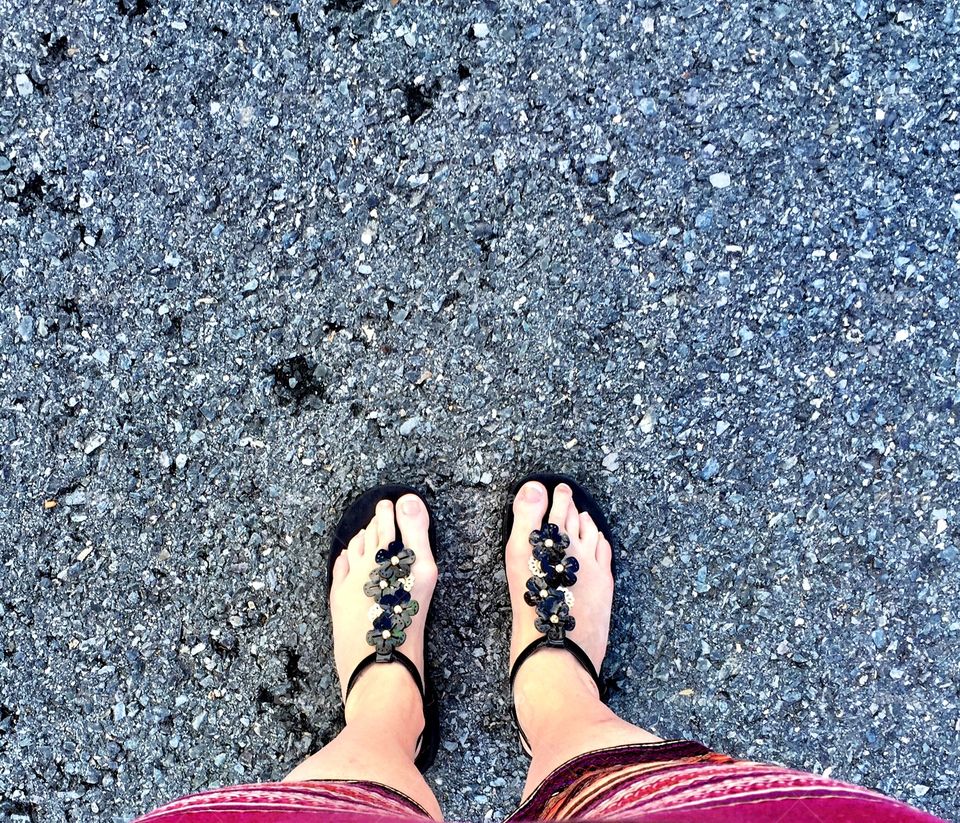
column 551, row 681
column 350, row 607
column 593, row 591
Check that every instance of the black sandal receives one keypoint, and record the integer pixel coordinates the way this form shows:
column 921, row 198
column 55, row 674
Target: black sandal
column 393, row 608
column 553, row 575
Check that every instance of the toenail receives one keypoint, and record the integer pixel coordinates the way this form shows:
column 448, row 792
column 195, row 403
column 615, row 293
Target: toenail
column 411, row 506
column 531, row 493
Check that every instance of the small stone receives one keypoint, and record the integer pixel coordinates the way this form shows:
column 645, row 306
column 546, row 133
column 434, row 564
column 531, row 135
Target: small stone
column 612, row 461
column 955, row 209
column 181, row 461
column 24, row 85
column 861, row 9
column 710, row 469
column 704, row 220
column 102, row 356
column 720, row 180
column 621, row 240
column 912, row 64
column 798, row 59
column 648, row 107
column 920, row 789
column 647, row 422
column 480, row 30
column 722, row 426
column 250, row 286
column 94, row 443
column 25, row 328
column 408, row 426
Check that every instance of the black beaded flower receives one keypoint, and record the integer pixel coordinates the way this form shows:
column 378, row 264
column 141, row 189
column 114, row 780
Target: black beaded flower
column 563, row 573
column 554, row 618
column 393, row 610
column 547, row 590
column 537, row 591
column 400, row 606
column 550, row 542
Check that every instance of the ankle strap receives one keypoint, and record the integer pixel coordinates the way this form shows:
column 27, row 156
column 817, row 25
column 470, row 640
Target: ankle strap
column 544, row 643
column 370, row 659
column 407, row 663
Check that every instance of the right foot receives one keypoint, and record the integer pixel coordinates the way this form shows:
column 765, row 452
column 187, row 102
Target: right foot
column 593, row 593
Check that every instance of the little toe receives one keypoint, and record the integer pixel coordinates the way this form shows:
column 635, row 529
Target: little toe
column 341, row 568
column 604, row 553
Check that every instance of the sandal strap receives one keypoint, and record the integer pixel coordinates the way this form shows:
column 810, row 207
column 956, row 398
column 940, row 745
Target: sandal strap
column 544, row 643
column 407, row 663
column 397, row 657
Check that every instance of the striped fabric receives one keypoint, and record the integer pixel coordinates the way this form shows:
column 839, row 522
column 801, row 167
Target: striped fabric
column 309, row 801
column 674, row 781
column 677, row 781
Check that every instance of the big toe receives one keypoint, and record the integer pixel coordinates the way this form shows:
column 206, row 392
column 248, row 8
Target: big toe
column 529, row 507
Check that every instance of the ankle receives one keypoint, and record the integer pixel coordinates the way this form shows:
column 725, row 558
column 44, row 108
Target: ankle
column 386, row 700
column 552, row 690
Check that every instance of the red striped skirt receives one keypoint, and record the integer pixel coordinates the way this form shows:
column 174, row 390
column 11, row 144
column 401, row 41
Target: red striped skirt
column 669, row 782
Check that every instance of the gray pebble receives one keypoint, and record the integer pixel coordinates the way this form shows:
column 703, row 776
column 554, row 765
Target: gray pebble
column 24, row 85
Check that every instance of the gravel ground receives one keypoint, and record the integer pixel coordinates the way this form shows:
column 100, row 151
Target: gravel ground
column 255, row 257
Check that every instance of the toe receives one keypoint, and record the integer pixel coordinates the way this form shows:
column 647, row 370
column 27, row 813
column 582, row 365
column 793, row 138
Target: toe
column 588, row 534
column 414, row 521
column 572, row 525
column 355, row 548
column 562, row 501
column 529, row 507
column 386, row 526
column 341, row 567
column 604, row 552
column 371, row 538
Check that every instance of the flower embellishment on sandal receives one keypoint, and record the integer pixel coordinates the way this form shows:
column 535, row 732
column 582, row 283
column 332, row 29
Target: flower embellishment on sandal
column 548, row 589
column 390, row 585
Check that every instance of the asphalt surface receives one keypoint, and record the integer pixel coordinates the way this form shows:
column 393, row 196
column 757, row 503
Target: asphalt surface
column 255, row 257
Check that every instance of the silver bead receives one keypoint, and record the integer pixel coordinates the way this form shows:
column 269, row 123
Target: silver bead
column 554, row 618
column 559, row 567
column 544, row 593
column 398, row 609
column 394, row 561
column 384, row 584
column 386, row 633
column 548, row 543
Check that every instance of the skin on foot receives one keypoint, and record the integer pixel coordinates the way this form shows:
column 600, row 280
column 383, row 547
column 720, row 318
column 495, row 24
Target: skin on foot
column 349, row 606
column 593, row 591
column 551, row 681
